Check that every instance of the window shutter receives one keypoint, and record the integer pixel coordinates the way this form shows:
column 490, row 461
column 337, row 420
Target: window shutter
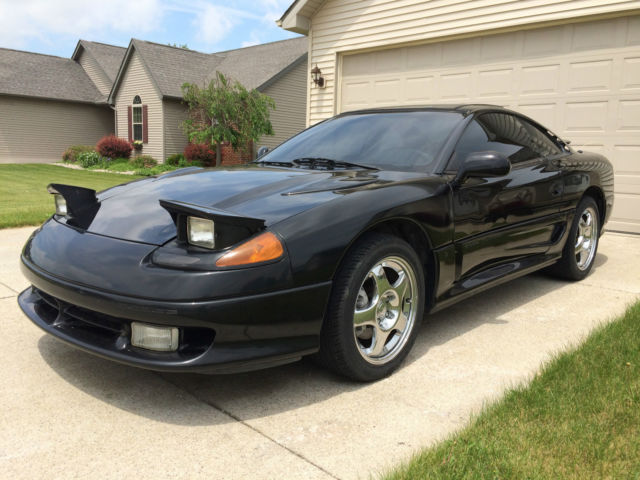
column 130, row 123
column 145, row 126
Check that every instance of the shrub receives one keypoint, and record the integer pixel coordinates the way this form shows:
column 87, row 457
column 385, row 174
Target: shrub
column 143, row 161
column 200, row 152
column 89, row 159
column 111, row 146
column 70, row 155
column 175, row 159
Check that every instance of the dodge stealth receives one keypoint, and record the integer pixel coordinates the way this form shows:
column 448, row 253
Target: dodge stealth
column 334, row 244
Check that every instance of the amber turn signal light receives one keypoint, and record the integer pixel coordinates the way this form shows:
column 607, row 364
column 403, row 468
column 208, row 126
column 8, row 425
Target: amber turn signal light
column 262, row 248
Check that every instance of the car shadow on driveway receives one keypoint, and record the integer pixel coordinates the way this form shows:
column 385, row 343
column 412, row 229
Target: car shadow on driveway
column 268, row 392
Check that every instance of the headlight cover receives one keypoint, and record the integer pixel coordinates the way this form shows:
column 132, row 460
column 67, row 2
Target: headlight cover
column 201, row 232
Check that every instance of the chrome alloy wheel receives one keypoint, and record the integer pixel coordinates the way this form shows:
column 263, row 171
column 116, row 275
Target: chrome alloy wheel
column 385, row 310
column 586, row 238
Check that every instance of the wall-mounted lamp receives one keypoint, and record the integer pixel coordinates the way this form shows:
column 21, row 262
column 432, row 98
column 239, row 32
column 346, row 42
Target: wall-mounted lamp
column 316, row 74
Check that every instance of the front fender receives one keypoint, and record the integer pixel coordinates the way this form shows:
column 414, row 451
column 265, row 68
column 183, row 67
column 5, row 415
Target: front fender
column 318, row 238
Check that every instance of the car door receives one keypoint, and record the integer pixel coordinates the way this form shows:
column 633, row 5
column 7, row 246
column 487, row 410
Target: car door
column 501, row 219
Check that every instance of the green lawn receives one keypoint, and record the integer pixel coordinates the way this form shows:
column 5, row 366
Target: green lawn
column 23, row 190
column 579, row 418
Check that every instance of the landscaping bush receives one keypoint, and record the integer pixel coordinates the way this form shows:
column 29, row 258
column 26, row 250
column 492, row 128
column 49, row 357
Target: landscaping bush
column 175, row 159
column 111, row 146
column 143, row 161
column 89, row 159
column 70, row 155
column 200, row 152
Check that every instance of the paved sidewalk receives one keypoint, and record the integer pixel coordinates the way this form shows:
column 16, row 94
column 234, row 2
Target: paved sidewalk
column 66, row 414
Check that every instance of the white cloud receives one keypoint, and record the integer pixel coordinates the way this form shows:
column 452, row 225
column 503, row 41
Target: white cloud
column 21, row 21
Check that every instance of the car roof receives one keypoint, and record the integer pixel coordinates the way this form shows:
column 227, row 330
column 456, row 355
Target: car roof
column 465, row 109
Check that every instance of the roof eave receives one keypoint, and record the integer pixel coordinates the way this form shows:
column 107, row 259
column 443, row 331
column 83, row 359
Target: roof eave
column 98, row 103
column 293, row 21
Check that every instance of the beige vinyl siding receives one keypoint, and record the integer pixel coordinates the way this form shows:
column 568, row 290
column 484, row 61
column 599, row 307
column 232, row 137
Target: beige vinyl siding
column 136, row 81
column 95, row 72
column 352, row 25
column 175, row 112
column 34, row 130
column 290, row 94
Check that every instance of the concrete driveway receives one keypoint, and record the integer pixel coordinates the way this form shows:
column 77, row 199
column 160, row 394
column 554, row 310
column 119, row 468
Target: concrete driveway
column 66, row 414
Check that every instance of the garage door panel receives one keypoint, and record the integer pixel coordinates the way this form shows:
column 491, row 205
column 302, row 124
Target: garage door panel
column 545, row 113
column 495, row 83
column 581, row 80
column 421, row 89
column 591, row 76
column 498, row 47
column 387, row 91
column 631, row 73
column 456, row 86
column 540, row 79
column 633, row 31
column 627, row 157
column 586, row 117
column 629, row 116
column 594, row 35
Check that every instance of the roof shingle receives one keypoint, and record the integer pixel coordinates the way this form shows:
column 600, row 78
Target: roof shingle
column 109, row 57
column 170, row 67
column 45, row 76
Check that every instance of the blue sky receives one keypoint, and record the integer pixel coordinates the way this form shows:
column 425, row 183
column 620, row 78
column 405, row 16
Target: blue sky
column 54, row 26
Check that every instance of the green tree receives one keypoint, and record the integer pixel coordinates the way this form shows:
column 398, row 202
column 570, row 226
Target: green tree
column 225, row 111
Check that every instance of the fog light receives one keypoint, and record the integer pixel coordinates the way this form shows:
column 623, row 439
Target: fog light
column 201, row 232
column 61, row 204
column 161, row 339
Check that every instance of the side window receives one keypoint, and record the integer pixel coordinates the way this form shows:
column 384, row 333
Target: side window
column 514, row 137
column 540, row 141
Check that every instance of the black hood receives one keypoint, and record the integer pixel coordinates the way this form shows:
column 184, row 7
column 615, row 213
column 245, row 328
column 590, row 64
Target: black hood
column 133, row 212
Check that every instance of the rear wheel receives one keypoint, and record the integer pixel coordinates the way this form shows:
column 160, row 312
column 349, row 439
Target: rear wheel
column 375, row 308
column 580, row 250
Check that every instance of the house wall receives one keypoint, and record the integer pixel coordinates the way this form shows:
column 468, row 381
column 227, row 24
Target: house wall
column 137, row 81
column 290, row 94
column 33, row 130
column 352, row 25
column 95, row 73
column 175, row 112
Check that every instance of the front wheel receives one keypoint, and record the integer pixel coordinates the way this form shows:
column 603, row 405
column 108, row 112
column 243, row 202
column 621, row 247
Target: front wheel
column 580, row 250
column 375, row 308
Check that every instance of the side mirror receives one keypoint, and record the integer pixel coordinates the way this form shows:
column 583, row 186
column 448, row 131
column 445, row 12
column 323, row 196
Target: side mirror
column 262, row 151
column 484, row 164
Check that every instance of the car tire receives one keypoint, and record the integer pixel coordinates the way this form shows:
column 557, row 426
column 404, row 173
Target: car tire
column 579, row 252
column 375, row 309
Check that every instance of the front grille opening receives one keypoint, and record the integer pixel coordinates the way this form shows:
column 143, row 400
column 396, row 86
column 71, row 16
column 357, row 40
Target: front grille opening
column 112, row 332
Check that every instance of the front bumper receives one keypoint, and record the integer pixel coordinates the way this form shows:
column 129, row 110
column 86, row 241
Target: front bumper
column 217, row 336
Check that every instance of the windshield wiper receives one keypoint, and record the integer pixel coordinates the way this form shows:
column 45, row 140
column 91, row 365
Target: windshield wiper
column 328, row 163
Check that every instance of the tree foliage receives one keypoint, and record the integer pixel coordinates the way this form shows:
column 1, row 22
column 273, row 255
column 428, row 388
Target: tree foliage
column 225, row 111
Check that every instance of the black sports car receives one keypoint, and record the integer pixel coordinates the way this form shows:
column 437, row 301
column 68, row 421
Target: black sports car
column 333, row 244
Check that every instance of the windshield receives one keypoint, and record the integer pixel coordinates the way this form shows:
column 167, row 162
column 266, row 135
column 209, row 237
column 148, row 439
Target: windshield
column 391, row 141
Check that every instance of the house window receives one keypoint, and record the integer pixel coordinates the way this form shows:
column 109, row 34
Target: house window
column 137, row 118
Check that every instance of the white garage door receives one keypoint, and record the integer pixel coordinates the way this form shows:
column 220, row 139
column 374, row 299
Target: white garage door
column 581, row 80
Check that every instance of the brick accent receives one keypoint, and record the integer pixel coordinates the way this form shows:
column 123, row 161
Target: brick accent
column 229, row 157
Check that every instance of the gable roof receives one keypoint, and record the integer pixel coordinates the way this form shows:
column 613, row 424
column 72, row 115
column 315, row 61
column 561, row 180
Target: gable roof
column 108, row 57
column 30, row 74
column 170, row 67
